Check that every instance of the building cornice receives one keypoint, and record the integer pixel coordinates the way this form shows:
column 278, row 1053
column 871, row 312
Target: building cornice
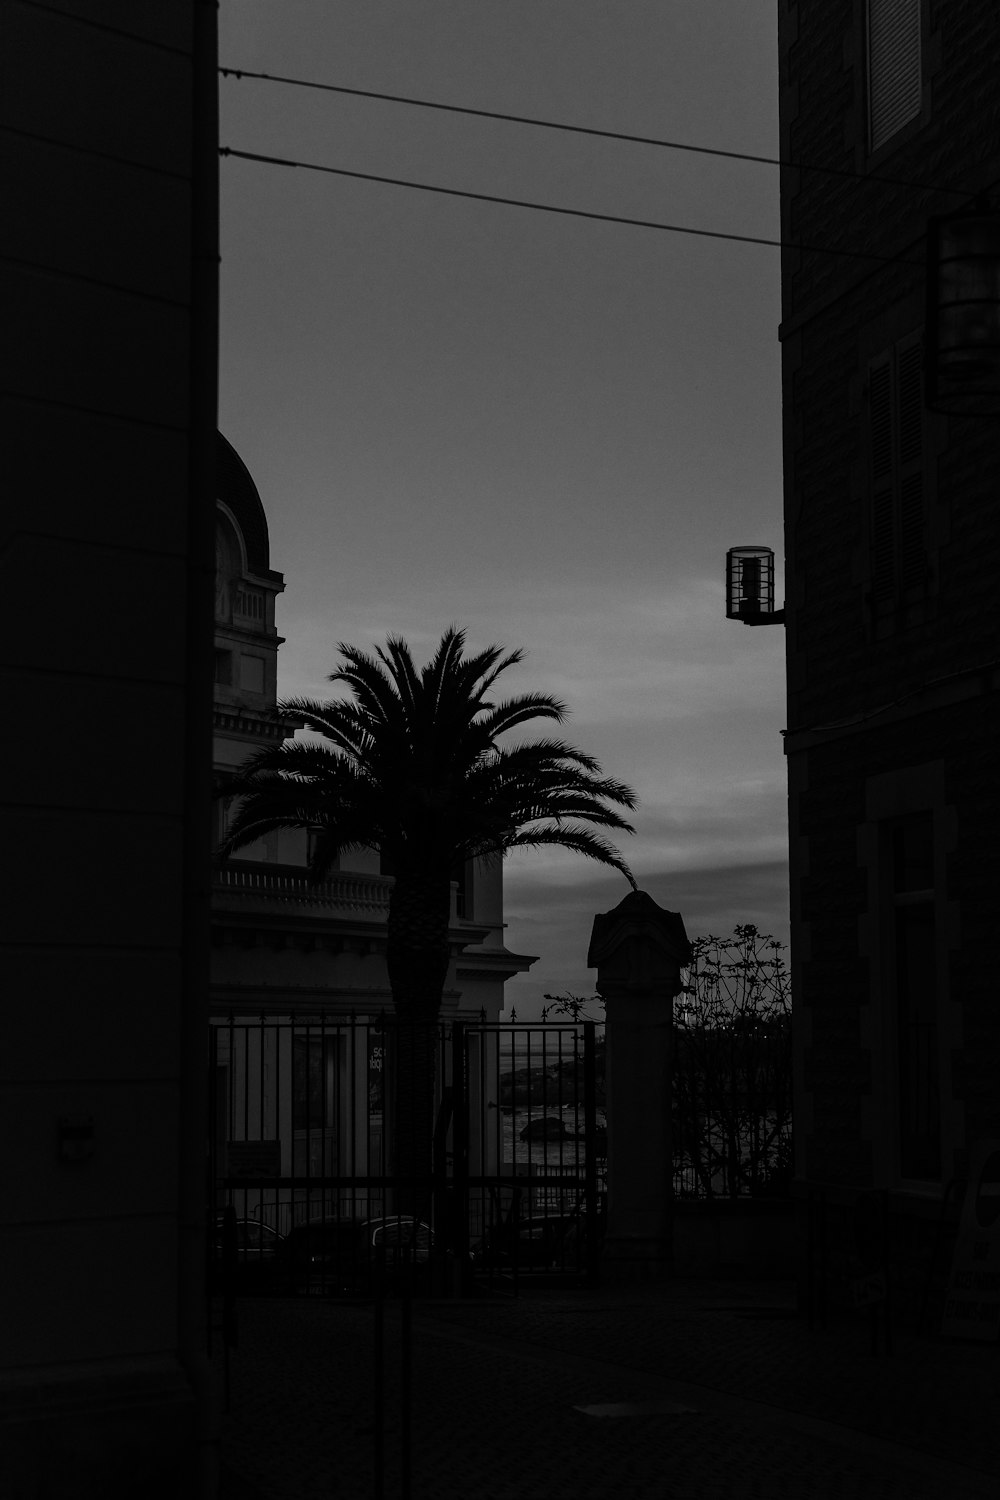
column 252, row 723
column 273, row 905
column 498, row 963
column 248, row 635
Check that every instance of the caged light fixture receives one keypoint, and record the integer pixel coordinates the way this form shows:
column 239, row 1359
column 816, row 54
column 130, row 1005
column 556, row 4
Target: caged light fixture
column 750, row 586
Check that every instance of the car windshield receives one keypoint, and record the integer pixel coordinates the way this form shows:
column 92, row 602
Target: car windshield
column 257, row 1236
column 393, row 1232
column 251, row 1235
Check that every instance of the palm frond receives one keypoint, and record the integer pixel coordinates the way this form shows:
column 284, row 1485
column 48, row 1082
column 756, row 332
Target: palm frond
column 371, row 680
column 399, row 664
column 580, row 840
column 340, row 721
column 442, row 669
column 500, row 718
column 532, row 756
column 485, row 668
column 301, row 760
column 409, row 762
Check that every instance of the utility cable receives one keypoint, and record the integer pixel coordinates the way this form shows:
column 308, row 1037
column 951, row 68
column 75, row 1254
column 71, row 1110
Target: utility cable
column 980, row 668
column 608, row 135
column 551, row 208
column 133, row 36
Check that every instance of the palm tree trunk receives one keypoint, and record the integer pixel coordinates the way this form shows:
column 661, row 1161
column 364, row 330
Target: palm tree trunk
column 417, row 957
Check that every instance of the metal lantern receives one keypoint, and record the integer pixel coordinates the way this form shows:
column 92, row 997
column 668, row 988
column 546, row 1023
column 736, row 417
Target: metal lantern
column 750, row 586
column 963, row 313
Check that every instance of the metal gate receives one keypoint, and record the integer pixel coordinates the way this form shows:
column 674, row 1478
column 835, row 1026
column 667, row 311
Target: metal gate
column 307, row 1133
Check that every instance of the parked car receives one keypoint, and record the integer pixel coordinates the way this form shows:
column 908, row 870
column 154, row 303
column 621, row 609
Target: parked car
column 549, row 1242
column 255, row 1259
column 534, row 1244
column 347, row 1257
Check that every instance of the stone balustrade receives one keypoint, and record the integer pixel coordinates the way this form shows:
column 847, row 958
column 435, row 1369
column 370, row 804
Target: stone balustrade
column 367, row 893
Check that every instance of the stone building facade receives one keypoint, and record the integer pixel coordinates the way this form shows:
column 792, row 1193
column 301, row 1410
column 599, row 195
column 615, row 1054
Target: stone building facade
column 892, row 113
column 110, row 246
column 281, row 945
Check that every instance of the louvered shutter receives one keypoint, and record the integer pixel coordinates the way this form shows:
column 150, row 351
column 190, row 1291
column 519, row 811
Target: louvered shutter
column 883, row 508
column 893, row 67
column 896, row 417
column 910, row 419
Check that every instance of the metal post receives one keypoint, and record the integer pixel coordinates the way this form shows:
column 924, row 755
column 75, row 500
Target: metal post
column 212, row 1173
column 230, row 1330
column 378, row 1425
column 459, row 1225
column 405, row 1371
column 591, row 1245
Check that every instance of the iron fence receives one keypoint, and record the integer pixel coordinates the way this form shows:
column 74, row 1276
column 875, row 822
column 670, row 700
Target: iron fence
column 490, row 1164
column 479, row 1149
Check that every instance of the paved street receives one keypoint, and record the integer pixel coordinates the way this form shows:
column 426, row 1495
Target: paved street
column 695, row 1390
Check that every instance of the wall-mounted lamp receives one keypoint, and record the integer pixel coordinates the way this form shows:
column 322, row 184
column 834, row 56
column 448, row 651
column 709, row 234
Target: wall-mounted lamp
column 962, row 353
column 750, row 586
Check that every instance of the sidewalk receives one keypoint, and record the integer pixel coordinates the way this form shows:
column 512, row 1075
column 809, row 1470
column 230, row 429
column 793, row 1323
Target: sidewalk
column 708, row 1390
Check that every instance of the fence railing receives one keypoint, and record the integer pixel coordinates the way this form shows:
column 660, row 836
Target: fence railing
column 302, row 1132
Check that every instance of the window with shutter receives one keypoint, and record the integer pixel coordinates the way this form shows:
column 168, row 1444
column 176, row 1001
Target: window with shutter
column 910, row 408
column 894, row 94
column 895, row 413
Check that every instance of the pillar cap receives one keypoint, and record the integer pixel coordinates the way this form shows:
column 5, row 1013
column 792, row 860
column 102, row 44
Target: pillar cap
column 638, row 921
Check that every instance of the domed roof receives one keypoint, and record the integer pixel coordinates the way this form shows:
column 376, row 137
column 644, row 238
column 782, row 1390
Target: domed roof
column 235, row 488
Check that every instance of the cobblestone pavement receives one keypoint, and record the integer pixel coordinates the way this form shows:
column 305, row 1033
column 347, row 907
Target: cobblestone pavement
column 709, row 1390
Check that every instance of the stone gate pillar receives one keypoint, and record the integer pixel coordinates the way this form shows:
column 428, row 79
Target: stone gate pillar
column 638, row 950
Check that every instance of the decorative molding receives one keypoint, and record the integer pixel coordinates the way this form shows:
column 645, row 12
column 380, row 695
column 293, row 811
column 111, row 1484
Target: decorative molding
column 251, row 723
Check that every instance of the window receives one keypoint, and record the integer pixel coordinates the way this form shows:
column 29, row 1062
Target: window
column 315, row 1104
column 911, row 960
column 252, row 673
column 222, row 806
column 896, row 449
column 312, row 841
column 223, row 809
column 462, row 877
column 894, row 94
column 223, row 668
column 249, row 603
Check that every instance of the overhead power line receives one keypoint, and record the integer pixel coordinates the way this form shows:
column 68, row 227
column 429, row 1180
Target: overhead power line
column 608, row 135
column 552, row 208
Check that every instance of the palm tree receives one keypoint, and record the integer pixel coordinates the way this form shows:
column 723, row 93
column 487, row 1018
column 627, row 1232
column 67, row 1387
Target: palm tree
column 409, row 765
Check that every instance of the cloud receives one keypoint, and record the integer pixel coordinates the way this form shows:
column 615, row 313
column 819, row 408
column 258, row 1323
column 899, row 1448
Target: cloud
column 618, row 656
column 553, row 919
column 669, row 696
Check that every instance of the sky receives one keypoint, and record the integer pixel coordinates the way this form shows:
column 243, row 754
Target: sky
column 544, row 429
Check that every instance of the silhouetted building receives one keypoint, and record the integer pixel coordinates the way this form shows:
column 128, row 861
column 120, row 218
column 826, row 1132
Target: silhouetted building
column 304, row 1087
column 110, row 247
column 892, row 110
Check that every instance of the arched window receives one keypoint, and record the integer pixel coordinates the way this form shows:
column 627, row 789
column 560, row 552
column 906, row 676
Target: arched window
column 228, row 567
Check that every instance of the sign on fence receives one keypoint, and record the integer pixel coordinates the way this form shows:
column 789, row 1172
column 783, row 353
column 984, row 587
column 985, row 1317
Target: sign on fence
column 972, row 1304
column 868, row 1289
